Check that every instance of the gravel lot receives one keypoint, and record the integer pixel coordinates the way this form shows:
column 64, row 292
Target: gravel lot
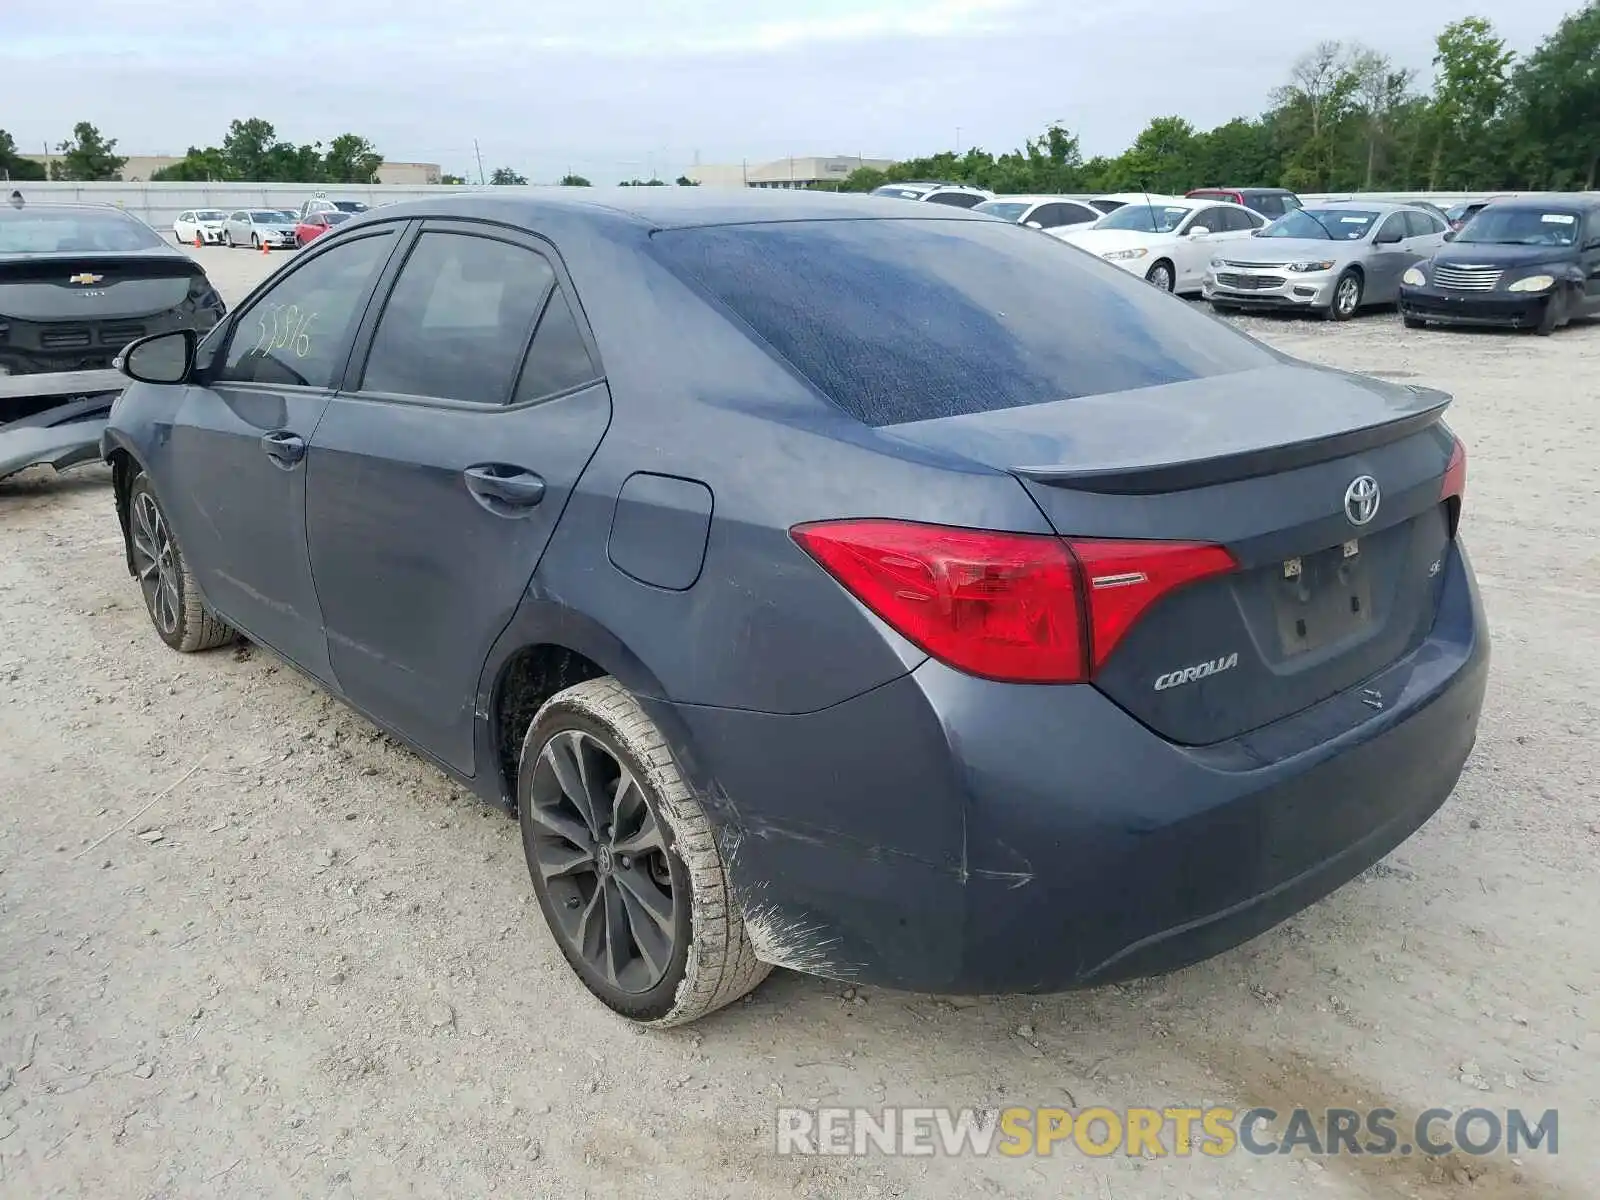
column 311, row 966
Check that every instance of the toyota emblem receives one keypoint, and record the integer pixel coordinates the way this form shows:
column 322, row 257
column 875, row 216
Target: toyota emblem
column 1361, row 499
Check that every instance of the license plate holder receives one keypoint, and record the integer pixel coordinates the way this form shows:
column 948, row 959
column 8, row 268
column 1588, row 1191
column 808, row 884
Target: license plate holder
column 1322, row 598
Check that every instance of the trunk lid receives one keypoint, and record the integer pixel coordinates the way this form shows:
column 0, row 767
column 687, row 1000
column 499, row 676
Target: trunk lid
column 1262, row 462
column 87, row 288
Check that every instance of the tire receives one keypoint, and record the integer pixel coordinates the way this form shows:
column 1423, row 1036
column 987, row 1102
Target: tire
column 1555, row 314
column 1346, row 301
column 227, row 238
column 255, row 241
column 582, row 875
column 182, row 619
column 1162, row 275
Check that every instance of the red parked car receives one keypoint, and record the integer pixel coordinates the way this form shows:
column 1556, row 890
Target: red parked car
column 314, row 225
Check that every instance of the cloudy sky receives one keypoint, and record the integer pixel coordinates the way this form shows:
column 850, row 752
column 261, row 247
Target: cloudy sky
column 617, row 88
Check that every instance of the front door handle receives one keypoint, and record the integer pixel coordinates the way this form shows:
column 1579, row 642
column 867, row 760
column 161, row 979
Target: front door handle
column 287, row 448
column 498, row 484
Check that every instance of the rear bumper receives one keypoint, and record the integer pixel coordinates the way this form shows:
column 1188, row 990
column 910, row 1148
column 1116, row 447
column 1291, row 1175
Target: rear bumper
column 946, row 834
column 1501, row 309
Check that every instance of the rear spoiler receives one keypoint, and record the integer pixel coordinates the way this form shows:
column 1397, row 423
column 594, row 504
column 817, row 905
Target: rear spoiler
column 1136, row 478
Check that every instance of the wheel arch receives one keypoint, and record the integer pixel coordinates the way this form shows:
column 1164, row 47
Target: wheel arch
column 547, row 647
column 125, row 468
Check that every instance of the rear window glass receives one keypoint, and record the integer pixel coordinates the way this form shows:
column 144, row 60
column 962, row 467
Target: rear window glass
column 907, row 320
column 40, row 231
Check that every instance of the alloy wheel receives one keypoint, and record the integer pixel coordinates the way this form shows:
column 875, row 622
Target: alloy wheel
column 155, row 564
column 1161, row 277
column 1348, row 295
column 601, row 854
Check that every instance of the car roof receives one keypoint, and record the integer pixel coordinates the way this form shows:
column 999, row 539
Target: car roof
column 1247, row 191
column 1032, row 199
column 665, row 207
column 1584, row 201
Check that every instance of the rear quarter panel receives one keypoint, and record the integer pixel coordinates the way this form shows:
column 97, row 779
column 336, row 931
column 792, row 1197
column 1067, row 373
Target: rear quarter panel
column 762, row 627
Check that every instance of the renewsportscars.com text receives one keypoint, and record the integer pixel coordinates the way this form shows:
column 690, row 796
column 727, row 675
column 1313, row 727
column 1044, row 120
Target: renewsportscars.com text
column 1160, row 1132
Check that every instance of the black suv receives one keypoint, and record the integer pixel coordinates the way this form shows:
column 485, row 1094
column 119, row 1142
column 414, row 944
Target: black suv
column 1532, row 262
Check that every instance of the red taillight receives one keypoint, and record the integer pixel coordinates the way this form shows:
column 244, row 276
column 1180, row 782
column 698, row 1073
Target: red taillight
column 1019, row 607
column 1125, row 578
column 1455, row 475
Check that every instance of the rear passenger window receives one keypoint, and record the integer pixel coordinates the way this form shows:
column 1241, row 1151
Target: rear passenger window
column 458, row 319
column 956, row 199
column 1419, row 224
column 558, row 360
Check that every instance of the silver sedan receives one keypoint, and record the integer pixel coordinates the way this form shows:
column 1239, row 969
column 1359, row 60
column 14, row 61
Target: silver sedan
column 257, row 227
column 1333, row 258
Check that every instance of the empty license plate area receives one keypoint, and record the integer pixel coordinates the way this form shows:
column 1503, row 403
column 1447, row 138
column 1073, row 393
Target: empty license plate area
column 1320, row 599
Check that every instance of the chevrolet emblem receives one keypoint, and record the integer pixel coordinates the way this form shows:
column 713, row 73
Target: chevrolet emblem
column 85, row 278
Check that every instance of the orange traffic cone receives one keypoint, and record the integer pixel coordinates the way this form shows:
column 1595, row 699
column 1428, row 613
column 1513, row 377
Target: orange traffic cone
column 198, row 244
column 266, row 248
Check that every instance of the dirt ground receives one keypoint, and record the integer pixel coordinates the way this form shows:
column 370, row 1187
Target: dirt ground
column 250, row 948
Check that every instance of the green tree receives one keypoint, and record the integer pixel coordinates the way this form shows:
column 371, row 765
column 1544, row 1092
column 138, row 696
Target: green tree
column 246, row 148
column 1162, row 159
column 505, row 176
column 197, row 166
column 88, row 156
column 685, row 181
column 13, row 166
column 1471, row 85
column 447, row 177
column 1381, row 89
column 1240, row 152
column 351, row 159
column 1556, row 95
column 574, row 181
column 1310, row 109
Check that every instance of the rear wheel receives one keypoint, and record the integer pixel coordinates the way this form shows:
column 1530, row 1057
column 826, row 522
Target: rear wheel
column 1346, row 297
column 1161, row 276
column 171, row 597
column 255, row 241
column 227, row 238
column 625, row 863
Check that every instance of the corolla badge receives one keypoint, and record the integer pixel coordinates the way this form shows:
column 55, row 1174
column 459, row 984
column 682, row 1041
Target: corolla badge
column 1361, row 499
column 85, row 278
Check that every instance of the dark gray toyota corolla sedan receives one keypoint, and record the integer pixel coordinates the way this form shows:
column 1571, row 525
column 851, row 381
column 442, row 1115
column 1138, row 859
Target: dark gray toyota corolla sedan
column 886, row 593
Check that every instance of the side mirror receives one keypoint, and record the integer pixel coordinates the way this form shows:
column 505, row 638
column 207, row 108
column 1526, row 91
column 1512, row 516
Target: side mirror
column 158, row 358
column 1034, row 225
column 1199, row 231
column 1449, row 235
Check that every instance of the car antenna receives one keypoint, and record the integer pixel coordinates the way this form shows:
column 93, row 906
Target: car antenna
column 1144, row 188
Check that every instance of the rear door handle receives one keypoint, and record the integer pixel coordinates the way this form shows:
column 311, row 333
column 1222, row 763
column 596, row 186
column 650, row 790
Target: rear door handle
column 287, row 448
column 500, row 484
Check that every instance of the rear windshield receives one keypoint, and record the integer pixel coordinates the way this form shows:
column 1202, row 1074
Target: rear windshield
column 267, row 216
column 908, row 320
column 1009, row 210
column 900, row 193
column 40, row 231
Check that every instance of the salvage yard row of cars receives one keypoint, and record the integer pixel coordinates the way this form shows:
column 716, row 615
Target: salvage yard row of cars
column 1523, row 262
column 1037, row 682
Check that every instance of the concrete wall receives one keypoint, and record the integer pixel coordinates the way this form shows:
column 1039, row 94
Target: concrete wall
column 159, row 203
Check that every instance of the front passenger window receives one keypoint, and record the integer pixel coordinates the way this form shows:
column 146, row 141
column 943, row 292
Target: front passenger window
column 298, row 333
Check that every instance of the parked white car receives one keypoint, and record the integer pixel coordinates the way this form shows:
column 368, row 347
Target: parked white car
column 206, row 223
column 1167, row 240
column 1040, row 212
column 957, row 195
